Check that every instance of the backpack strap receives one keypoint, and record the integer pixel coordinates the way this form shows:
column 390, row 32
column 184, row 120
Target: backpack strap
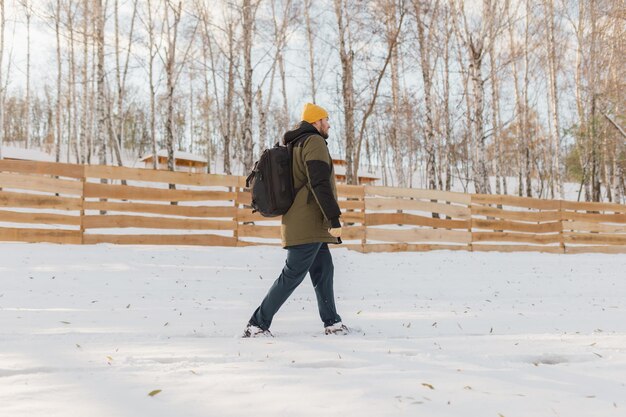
column 290, row 146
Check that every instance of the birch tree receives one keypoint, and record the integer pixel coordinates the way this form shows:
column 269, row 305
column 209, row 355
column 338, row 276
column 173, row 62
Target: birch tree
column 101, row 115
column 476, row 40
column 426, row 17
column 347, row 53
column 554, row 97
column 28, row 14
column 2, row 25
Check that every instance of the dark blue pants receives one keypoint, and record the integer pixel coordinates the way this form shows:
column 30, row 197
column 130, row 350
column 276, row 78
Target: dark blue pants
column 314, row 258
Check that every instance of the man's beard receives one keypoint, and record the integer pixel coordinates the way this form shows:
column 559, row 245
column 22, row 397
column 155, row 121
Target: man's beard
column 324, row 134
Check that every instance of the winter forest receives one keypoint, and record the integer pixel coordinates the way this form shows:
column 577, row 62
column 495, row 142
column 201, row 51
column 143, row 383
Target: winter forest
column 510, row 97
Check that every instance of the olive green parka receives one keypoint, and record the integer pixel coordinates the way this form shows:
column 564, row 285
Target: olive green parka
column 315, row 208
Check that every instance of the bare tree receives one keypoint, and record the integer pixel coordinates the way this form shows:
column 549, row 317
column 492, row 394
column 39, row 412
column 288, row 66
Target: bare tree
column 389, row 14
column 72, row 102
column 2, row 25
column 170, row 70
column 248, row 12
column 476, row 41
column 309, row 38
column 347, row 54
column 426, row 28
column 59, row 109
column 28, row 13
column 101, row 115
column 554, row 97
column 85, row 134
column 447, row 128
column 121, row 71
column 153, row 49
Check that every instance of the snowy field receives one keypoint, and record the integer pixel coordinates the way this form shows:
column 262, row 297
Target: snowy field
column 90, row 331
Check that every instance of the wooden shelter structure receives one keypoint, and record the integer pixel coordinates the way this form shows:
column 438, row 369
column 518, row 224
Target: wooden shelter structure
column 340, row 173
column 184, row 161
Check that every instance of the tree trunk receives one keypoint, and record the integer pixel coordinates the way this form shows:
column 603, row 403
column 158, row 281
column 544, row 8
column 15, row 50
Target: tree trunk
column 28, row 12
column 152, row 53
column 85, row 136
column 170, row 61
column 397, row 144
column 525, row 122
column 448, row 157
column 309, row 37
column 346, row 56
column 425, row 43
column 554, row 97
column 495, row 110
column 100, row 110
column 2, row 24
column 72, row 125
column 248, row 29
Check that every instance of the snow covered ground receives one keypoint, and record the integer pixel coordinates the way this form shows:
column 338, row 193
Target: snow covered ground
column 91, row 330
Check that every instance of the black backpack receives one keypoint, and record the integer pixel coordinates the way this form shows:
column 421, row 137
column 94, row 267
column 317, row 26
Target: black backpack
column 271, row 181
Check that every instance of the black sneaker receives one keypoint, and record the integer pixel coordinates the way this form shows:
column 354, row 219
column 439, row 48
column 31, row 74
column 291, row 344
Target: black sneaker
column 255, row 331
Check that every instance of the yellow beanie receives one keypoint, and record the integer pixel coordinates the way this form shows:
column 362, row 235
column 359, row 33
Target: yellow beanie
column 312, row 113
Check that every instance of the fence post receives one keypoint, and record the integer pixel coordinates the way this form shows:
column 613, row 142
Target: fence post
column 471, row 220
column 236, row 218
column 561, row 235
column 364, row 239
column 82, row 206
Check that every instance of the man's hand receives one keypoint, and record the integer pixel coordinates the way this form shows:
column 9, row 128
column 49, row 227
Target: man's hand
column 335, row 231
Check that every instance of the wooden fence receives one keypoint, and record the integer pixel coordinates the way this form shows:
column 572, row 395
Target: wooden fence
column 88, row 204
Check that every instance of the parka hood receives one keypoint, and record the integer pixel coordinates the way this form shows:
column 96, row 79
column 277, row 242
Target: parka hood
column 303, row 128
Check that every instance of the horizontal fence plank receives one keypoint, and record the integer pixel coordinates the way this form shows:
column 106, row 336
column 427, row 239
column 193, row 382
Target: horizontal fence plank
column 245, row 243
column 40, row 183
column 516, row 226
column 595, row 249
column 351, row 204
column 594, row 238
column 418, row 235
column 127, row 192
column 527, row 216
column 344, row 190
column 515, row 237
column 592, row 217
column 407, row 247
column 514, row 201
column 243, row 198
column 163, row 239
column 379, row 219
column 418, row 193
column 267, row 232
column 174, row 210
column 352, row 217
column 10, row 234
column 42, row 168
column 38, row 218
column 591, row 206
column 114, row 221
column 393, row 204
column 594, row 227
column 38, row 201
column 160, row 175
column 353, row 233
column 516, row 248
column 246, row 215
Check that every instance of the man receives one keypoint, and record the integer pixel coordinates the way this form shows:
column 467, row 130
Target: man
column 308, row 227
